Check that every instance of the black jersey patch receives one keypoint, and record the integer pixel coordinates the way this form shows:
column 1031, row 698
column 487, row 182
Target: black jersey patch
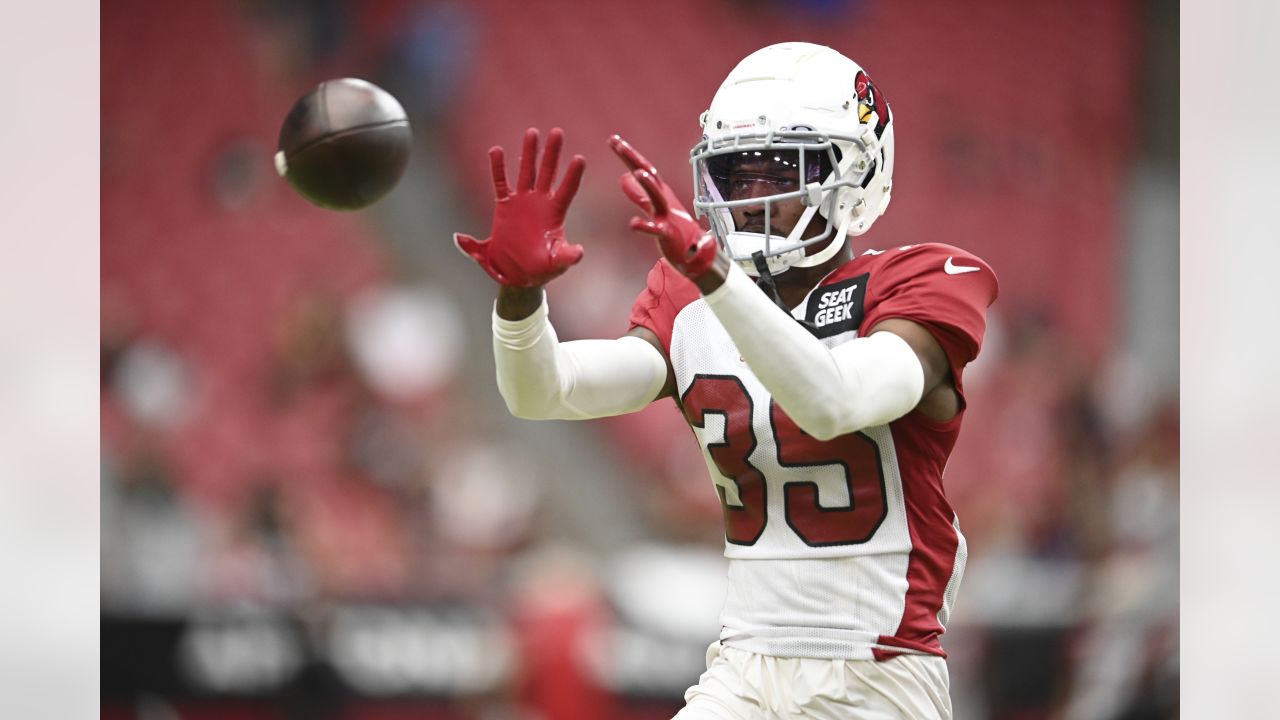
column 837, row 308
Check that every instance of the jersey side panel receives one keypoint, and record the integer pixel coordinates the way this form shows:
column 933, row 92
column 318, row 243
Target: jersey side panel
column 938, row 551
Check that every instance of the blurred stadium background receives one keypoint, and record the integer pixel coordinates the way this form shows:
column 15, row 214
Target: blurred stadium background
column 314, row 504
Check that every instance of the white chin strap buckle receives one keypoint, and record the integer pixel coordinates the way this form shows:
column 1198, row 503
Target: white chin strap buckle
column 748, row 266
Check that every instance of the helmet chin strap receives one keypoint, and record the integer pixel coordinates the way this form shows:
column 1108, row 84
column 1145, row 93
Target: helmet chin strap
column 832, row 247
column 765, row 281
column 829, row 251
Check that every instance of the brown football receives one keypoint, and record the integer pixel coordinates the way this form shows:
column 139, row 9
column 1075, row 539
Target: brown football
column 345, row 144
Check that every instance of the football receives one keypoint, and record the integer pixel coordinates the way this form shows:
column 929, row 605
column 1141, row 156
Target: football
column 344, row 145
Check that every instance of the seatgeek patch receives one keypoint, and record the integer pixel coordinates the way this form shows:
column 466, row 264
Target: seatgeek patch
column 837, row 308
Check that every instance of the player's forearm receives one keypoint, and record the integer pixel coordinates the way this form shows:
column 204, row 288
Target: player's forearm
column 541, row 378
column 862, row 383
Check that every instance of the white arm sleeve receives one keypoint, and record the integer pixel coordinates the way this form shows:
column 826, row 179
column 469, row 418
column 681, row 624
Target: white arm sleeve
column 542, row 378
column 862, row 383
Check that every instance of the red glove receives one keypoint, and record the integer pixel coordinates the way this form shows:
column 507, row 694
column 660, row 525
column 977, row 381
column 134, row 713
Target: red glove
column 684, row 243
column 527, row 246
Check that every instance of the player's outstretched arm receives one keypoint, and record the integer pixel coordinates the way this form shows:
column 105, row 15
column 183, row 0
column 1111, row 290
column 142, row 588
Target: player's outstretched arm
column 682, row 241
column 869, row 381
column 538, row 376
column 865, row 382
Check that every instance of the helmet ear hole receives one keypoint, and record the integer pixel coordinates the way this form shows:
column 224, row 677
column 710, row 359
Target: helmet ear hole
column 866, row 181
column 846, row 200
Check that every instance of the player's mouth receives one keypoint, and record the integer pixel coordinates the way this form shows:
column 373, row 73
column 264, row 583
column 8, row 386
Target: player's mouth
column 758, row 227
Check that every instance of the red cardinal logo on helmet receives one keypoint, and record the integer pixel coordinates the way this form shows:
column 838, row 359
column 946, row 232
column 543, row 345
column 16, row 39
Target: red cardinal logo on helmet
column 869, row 99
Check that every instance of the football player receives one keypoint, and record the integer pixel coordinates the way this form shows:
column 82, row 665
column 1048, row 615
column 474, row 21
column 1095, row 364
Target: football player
column 825, row 386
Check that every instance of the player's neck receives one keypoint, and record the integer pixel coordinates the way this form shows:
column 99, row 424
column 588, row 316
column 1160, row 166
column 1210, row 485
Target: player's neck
column 796, row 282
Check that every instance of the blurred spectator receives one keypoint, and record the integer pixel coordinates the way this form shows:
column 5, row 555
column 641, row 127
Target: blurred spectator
column 257, row 559
column 558, row 610
column 316, row 691
column 406, row 341
column 428, row 58
column 293, row 38
column 309, row 349
column 238, row 175
column 154, row 547
column 1127, row 662
column 354, row 539
column 486, row 496
column 118, row 329
column 483, row 504
column 386, row 446
column 152, row 384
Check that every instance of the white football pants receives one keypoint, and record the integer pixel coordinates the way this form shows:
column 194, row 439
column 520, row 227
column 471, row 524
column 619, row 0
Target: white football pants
column 741, row 685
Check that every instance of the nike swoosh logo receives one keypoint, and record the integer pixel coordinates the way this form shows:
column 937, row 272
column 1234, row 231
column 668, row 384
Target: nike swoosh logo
column 952, row 269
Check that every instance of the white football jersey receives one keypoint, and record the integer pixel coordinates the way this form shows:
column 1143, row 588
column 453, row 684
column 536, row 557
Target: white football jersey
column 846, row 548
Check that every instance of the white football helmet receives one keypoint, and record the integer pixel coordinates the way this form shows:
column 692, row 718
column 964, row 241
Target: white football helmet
column 802, row 105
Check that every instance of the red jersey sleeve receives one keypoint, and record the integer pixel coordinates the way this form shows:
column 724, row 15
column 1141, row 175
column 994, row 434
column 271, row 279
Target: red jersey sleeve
column 665, row 293
column 944, row 288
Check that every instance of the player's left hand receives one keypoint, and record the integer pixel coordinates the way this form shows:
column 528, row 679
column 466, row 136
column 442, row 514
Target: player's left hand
column 684, row 243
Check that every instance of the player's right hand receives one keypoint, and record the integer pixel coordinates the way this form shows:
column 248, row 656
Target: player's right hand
column 527, row 247
column 684, row 243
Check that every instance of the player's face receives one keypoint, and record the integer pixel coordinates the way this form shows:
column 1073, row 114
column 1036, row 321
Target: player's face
column 764, row 173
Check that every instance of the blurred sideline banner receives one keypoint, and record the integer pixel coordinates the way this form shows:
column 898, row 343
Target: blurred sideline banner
column 381, row 661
